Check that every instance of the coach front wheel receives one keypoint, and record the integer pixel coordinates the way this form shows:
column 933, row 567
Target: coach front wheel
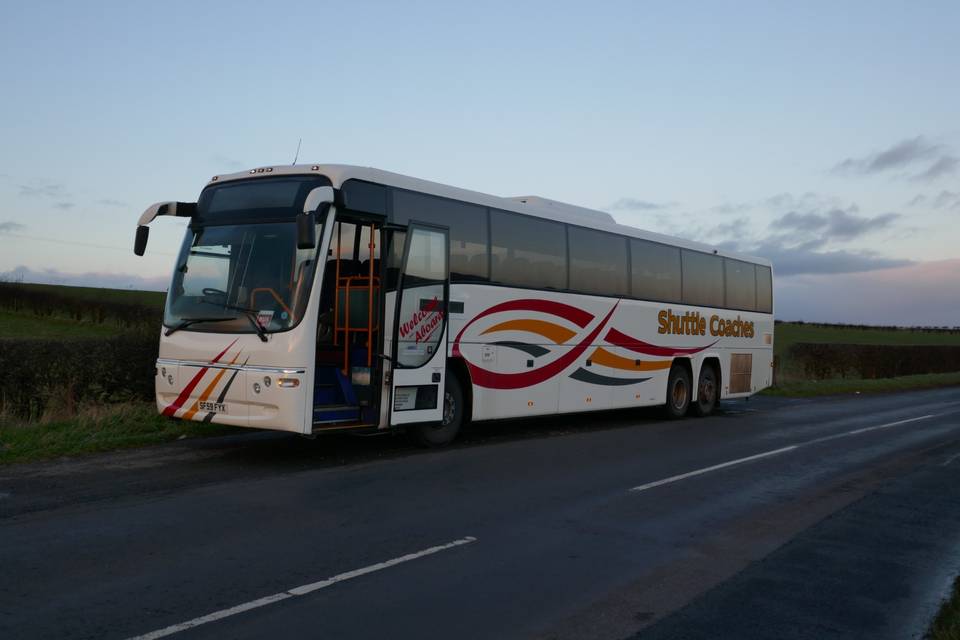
column 438, row 434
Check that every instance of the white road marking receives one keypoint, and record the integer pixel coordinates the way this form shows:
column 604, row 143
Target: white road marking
column 951, row 459
column 846, row 434
column 723, row 465
column 767, row 454
column 298, row 591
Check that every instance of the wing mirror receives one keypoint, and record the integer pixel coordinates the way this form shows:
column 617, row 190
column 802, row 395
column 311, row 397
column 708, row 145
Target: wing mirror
column 140, row 243
column 317, row 204
column 179, row 209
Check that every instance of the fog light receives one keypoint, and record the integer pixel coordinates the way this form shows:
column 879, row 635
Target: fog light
column 170, row 379
column 256, row 387
column 288, row 382
column 266, row 381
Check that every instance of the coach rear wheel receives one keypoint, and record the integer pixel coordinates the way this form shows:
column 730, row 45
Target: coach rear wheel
column 706, row 391
column 438, row 434
column 678, row 392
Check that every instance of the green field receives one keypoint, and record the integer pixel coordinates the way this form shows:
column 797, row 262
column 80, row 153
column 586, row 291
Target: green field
column 56, row 311
column 18, row 325
column 788, row 333
column 124, row 296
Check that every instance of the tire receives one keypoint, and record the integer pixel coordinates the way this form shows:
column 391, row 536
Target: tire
column 707, row 391
column 440, row 434
column 678, row 392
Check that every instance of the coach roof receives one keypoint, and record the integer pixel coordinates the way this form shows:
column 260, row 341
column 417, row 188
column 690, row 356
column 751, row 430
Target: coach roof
column 529, row 205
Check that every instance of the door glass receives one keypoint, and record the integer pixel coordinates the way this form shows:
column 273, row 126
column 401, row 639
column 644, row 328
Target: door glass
column 422, row 302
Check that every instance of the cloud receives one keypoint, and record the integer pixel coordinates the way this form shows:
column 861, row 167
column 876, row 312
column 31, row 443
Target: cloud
column 834, row 225
column 43, row 190
column 791, row 261
column 916, row 200
column 945, row 165
column 10, row 226
column 104, row 279
column 947, row 200
column 799, row 242
column 633, row 204
column 922, row 159
column 64, row 205
column 109, row 202
column 918, row 294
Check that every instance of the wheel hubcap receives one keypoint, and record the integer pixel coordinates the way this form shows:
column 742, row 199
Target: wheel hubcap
column 679, row 394
column 706, row 392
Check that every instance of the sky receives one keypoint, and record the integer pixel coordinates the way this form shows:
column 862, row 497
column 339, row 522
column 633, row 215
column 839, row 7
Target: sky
column 821, row 135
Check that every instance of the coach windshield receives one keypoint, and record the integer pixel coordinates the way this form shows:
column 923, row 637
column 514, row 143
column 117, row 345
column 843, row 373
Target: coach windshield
column 239, row 268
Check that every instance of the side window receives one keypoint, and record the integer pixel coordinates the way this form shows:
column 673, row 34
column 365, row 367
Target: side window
column 469, row 234
column 764, row 289
column 598, row 262
column 702, row 279
column 655, row 271
column 528, row 252
column 741, row 281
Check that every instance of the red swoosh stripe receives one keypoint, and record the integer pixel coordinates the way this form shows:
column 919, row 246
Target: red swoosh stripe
column 575, row 315
column 187, row 390
column 624, row 341
column 493, row 380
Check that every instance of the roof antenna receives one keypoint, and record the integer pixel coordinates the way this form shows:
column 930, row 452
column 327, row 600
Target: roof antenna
column 297, row 154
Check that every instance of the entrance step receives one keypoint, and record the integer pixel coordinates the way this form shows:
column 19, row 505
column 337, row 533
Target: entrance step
column 336, row 413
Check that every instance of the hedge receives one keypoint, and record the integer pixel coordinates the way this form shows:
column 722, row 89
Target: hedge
column 40, row 376
column 821, row 361
column 20, row 299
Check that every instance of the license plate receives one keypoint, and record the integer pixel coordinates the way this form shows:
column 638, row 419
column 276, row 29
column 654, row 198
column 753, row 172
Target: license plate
column 213, row 407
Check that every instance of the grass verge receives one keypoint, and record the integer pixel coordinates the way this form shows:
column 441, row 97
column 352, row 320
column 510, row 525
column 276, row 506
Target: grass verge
column 102, row 429
column 18, row 325
column 807, row 388
column 946, row 626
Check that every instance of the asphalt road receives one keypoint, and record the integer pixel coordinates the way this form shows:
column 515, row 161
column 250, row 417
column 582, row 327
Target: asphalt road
column 776, row 518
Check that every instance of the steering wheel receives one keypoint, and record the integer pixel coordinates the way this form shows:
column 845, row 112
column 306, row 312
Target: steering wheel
column 210, row 291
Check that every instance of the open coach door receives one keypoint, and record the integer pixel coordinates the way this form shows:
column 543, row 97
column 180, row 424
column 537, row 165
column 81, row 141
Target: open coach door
column 419, row 352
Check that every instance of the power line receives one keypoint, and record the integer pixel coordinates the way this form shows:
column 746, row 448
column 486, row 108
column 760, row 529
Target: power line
column 78, row 244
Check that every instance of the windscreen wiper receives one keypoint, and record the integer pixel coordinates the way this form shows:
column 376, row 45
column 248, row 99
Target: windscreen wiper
column 186, row 322
column 251, row 315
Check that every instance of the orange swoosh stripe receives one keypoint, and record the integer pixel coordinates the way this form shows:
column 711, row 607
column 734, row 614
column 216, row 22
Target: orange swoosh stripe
column 206, row 392
column 548, row 330
column 603, row 357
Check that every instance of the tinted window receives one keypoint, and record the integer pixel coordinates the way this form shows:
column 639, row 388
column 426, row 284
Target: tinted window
column 741, row 281
column 702, row 279
column 655, row 271
column 258, row 199
column 598, row 262
column 364, row 196
column 764, row 290
column 468, row 230
column 528, row 252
